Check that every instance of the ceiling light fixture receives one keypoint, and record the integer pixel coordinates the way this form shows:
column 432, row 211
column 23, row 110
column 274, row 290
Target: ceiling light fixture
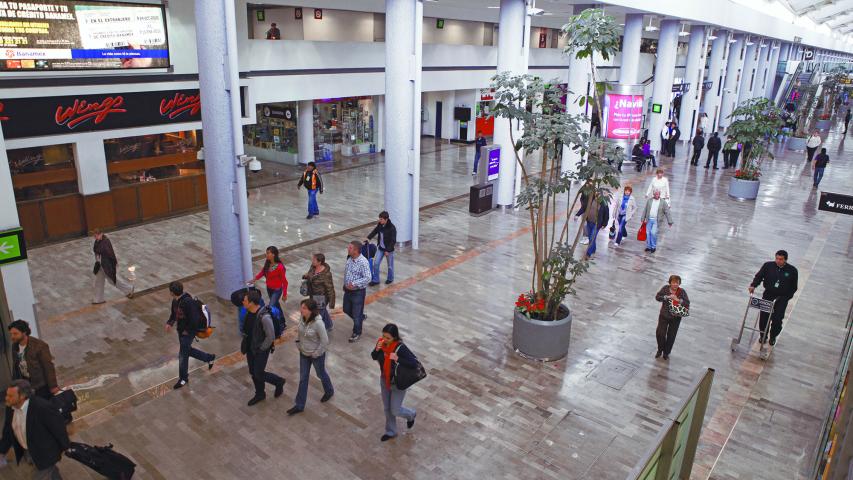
column 650, row 27
column 683, row 32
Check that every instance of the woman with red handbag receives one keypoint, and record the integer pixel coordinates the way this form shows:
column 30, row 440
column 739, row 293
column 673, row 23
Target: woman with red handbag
column 674, row 306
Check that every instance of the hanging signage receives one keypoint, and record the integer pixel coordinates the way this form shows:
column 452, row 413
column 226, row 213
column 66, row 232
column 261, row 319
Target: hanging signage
column 272, row 111
column 623, row 116
column 487, row 94
column 808, row 54
column 439, row 23
column 12, row 246
column 494, row 169
column 657, row 108
column 82, row 35
column 680, row 88
column 40, row 116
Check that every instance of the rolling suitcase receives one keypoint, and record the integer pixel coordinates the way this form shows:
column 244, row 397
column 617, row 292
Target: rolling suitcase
column 103, row 460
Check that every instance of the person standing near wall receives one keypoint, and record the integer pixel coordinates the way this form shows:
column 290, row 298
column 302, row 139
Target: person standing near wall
column 106, row 268
column 273, row 33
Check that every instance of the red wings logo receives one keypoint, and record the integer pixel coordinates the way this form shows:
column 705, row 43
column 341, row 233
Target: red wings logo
column 83, row 111
column 180, row 104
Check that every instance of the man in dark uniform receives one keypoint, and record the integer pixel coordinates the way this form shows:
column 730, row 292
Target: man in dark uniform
column 780, row 283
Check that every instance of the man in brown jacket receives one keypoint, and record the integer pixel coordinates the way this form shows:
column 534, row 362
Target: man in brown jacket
column 32, row 360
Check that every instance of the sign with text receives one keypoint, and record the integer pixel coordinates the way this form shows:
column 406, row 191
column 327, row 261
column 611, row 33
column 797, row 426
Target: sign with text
column 35, row 117
column 761, row 304
column 623, row 116
column 12, row 246
column 494, row 165
column 82, row 35
column 836, row 202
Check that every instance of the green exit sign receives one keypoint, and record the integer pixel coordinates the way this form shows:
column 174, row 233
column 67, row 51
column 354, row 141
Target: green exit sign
column 439, row 23
column 657, row 107
column 12, row 247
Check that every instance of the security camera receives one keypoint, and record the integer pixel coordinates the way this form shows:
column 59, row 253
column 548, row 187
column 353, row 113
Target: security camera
column 254, row 165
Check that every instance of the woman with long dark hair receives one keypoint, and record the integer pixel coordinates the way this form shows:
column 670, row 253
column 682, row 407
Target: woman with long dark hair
column 389, row 351
column 312, row 345
column 275, row 276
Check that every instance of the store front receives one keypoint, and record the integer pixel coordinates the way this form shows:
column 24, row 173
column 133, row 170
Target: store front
column 485, row 119
column 273, row 137
column 344, row 125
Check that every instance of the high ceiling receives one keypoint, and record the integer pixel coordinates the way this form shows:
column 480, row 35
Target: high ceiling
column 836, row 14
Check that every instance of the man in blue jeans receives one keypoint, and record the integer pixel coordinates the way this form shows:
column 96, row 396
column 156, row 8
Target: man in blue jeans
column 819, row 166
column 356, row 278
column 387, row 233
column 186, row 314
column 313, row 183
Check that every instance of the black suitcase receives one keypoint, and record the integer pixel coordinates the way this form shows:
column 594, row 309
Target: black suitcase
column 66, row 402
column 103, row 460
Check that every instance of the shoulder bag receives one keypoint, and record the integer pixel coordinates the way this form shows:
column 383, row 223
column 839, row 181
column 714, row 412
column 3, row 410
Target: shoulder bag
column 405, row 377
column 677, row 309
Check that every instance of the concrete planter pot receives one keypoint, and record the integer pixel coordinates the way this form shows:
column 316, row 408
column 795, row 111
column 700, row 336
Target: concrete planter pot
column 541, row 340
column 823, row 124
column 797, row 144
column 744, row 189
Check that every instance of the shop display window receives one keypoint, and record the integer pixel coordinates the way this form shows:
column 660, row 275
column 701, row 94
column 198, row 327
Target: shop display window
column 153, row 157
column 344, row 125
column 275, row 128
column 42, row 172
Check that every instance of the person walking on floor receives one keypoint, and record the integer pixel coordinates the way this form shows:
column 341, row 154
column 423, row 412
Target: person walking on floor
column 32, row 361
column 780, row 280
column 714, row 145
column 598, row 218
column 313, row 183
column 356, row 278
column 819, row 166
column 33, row 428
column 275, row 276
column 187, row 318
column 668, row 322
column 625, row 208
column 321, row 287
column 847, row 118
column 698, row 145
column 313, row 342
column 674, row 136
column 659, row 183
column 106, row 267
column 655, row 212
column 478, row 147
column 257, row 345
column 387, row 233
column 813, row 142
column 389, row 351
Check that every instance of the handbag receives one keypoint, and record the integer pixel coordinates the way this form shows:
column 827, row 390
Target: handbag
column 405, row 377
column 97, row 268
column 677, row 309
column 303, row 288
column 641, row 233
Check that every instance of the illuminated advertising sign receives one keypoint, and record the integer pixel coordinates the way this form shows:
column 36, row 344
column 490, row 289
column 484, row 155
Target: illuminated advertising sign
column 494, row 167
column 81, row 35
column 623, row 116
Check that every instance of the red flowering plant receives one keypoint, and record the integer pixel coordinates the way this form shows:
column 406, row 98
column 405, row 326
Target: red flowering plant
column 530, row 306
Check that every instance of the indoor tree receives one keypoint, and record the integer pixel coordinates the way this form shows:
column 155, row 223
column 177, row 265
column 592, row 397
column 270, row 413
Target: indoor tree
column 756, row 124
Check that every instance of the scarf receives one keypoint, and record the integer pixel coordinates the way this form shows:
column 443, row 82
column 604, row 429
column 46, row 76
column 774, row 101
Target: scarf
column 386, row 367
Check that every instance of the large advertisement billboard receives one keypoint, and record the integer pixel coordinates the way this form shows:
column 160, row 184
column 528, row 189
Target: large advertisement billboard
column 623, row 116
column 81, row 35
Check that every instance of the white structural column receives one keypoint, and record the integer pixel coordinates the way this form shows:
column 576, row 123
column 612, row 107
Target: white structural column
column 379, row 123
column 733, row 73
column 664, row 75
column 17, row 286
column 513, row 42
column 761, row 67
column 91, row 163
column 716, row 72
column 305, row 131
column 784, row 52
column 697, row 50
column 580, row 76
column 772, row 67
column 748, row 74
column 403, row 34
column 629, row 70
column 223, row 143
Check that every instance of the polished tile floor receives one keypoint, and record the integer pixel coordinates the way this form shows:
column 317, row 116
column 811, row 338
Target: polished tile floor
column 482, row 411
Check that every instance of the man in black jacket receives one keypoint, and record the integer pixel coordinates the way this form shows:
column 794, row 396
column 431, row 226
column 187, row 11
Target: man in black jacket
column 385, row 241
column 33, row 426
column 780, row 283
column 188, row 317
column 698, row 145
column 714, row 145
column 673, row 139
column 257, row 345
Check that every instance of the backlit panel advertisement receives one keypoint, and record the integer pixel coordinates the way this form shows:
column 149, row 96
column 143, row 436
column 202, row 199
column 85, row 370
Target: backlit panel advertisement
column 623, row 116
column 81, row 35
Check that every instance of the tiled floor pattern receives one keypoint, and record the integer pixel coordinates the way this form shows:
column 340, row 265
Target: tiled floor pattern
column 483, row 411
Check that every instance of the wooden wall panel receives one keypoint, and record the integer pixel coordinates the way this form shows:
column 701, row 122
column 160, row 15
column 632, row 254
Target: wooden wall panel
column 125, row 205
column 201, row 189
column 99, row 210
column 29, row 214
column 63, row 216
column 182, row 191
column 154, row 199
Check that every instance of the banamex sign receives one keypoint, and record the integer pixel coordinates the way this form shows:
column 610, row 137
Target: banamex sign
column 624, row 116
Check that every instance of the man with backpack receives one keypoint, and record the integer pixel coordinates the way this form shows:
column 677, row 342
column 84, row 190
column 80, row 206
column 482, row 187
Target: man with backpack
column 188, row 315
column 259, row 332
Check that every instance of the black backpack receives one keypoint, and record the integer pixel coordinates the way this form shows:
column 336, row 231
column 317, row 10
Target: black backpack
column 103, row 460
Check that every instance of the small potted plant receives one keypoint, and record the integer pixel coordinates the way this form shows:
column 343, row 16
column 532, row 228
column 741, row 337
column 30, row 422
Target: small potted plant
column 756, row 126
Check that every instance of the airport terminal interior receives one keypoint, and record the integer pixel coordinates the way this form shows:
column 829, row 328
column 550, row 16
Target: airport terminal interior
column 426, row 239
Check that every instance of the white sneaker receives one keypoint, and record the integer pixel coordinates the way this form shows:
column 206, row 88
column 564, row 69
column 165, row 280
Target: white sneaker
column 584, row 241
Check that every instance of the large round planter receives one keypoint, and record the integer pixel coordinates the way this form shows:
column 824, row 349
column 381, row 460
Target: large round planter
column 744, row 189
column 823, row 124
column 797, row 144
column 541, row 340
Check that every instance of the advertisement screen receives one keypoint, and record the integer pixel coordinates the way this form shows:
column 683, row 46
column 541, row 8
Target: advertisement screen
column 81, row 35
column 623, row 116
column 494, row 163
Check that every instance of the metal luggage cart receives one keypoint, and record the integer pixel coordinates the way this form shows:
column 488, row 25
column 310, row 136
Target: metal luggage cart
column 761, row 305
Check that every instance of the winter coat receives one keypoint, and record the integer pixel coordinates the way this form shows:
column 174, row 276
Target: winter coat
column 105, row 258
column 321, row 284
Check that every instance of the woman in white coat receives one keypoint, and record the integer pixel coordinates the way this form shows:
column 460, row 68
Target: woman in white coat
column 661, row 184
column 622, row 209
